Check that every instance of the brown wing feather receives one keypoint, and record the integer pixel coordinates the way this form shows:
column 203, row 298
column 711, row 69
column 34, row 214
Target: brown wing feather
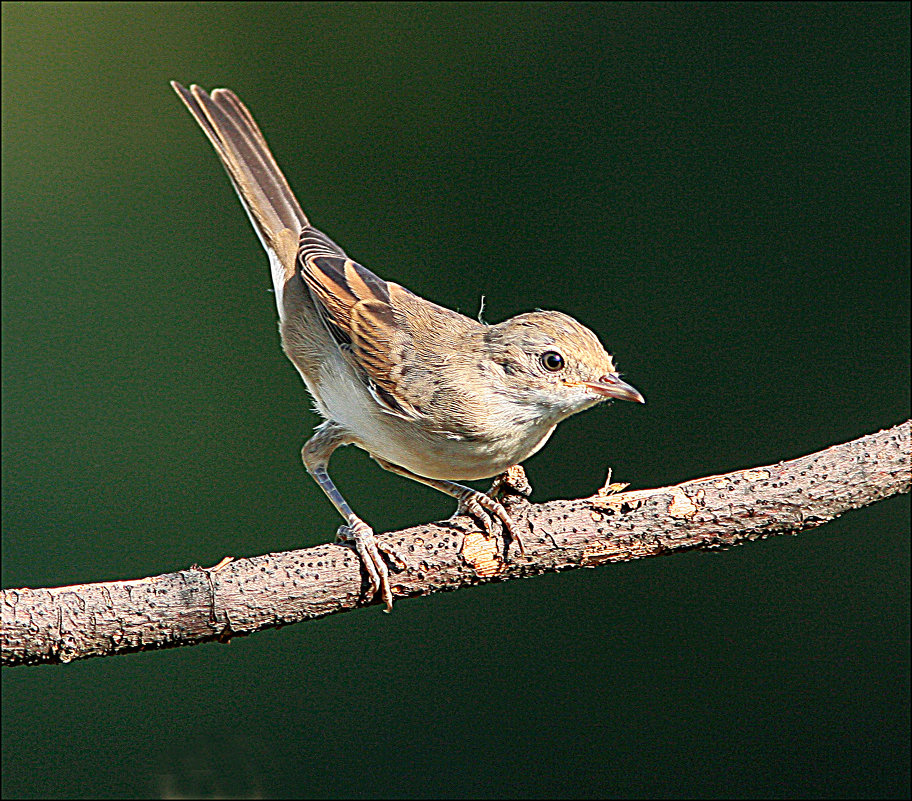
column 400, row 344
column 359, row 310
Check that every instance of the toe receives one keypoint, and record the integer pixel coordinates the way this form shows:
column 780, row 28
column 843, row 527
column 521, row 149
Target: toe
column 366, row 544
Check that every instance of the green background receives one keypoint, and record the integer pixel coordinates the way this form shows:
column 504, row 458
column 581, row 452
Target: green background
column 721, row 191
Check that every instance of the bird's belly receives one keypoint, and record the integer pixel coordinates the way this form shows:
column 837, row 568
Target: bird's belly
column 414, row 444
column 442, row 457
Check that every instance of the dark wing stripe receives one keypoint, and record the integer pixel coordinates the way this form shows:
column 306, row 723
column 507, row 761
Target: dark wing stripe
column 343, row 340
column 356, row 308
column 378, row 318
column 387, row 398
column 324, row 276
column 345, row 275
column 364, row 284
column 364, row 280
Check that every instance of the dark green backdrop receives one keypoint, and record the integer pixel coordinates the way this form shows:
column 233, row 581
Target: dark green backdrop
column 722, row 191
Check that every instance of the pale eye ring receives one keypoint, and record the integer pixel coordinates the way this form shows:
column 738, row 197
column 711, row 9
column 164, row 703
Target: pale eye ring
column 552, row 361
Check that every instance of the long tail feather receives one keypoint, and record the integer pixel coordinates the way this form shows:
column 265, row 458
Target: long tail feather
column 262, row 188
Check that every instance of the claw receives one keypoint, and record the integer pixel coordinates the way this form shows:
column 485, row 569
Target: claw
column 390, row 553
column 483, row 508
column 362, row 535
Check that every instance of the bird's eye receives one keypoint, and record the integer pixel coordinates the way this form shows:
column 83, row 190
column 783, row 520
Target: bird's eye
column 552, row 361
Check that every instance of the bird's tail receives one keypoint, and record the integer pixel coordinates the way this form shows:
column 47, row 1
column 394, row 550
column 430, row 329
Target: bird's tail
column 257, row 179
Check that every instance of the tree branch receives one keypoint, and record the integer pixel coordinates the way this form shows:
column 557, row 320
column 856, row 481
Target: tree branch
column 246, row 595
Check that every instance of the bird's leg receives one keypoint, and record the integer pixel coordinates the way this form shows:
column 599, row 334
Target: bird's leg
column 315, row 454
column 472, row 502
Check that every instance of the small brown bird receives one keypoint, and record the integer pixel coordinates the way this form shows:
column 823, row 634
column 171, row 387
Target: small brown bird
column 429, row 393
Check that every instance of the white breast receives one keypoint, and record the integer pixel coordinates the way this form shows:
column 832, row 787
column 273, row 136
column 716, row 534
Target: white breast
column 415, row 445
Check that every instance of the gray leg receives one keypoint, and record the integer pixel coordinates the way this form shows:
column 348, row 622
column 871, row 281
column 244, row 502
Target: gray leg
column 471, row 501
column 316, row 453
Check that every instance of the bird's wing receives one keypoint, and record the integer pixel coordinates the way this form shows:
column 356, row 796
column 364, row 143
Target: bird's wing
column 368, row 318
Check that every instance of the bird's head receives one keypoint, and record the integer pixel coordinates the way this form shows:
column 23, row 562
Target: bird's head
column 554, row 365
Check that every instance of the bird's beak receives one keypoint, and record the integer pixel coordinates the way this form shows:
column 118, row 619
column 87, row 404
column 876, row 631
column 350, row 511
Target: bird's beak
column 611, row 386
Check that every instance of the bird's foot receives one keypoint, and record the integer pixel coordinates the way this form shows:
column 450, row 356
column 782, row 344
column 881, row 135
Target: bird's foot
column 362, row 537
column 484, row 509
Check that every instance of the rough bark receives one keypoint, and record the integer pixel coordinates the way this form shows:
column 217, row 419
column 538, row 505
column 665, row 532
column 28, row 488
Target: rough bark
column 245, row 595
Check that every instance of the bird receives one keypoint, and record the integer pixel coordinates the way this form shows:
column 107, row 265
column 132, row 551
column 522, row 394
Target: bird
column 429, row 393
